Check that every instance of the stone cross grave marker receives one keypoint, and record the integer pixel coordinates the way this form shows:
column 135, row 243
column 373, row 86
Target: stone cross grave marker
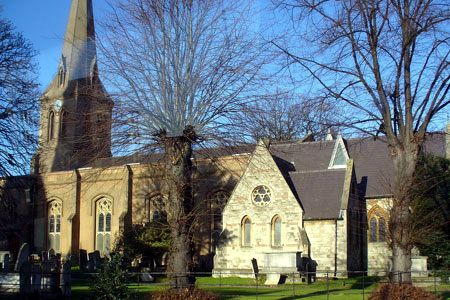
column 24, row 252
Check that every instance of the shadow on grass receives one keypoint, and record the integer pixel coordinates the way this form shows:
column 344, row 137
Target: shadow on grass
column 365, row 282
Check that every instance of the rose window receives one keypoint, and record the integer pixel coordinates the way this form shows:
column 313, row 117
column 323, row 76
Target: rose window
column 261, row 195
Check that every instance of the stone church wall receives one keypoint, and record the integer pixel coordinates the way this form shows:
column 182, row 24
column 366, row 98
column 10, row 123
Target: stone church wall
column 328, row 245
column 233, row 254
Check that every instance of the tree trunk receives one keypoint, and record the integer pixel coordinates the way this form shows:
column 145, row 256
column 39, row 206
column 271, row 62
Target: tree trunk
column 180, row 203
column 400, row 240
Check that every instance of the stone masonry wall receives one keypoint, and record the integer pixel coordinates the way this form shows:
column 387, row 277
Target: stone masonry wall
column 232, row 255
column 323, row 235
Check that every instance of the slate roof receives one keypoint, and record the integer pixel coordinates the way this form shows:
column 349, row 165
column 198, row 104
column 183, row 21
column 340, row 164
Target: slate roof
column 159, row 156
column 304, row 164
column 319, row 189
column 320, row 192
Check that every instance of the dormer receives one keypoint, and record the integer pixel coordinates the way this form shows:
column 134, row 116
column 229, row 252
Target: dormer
column 340, row 155
column 62, row 71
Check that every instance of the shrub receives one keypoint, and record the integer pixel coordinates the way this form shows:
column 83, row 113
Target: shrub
column 111, row 283
column 183, row 294
column 401, row 292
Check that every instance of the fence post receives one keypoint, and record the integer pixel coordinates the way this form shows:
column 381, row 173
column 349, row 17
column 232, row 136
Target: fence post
column 220, row 284
column 256, row 277
column 293, row 284
column 434, row 281
column 363, row 283
column 328, row 287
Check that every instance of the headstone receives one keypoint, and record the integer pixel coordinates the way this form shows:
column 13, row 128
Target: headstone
column 53, row 261
column 73, row 260
column 83, row 259
column 98, row 260
column 66, row 287
column 45, row 256
column 36, row 279
column 255, row 267
column 91, row 262
column 25, row 277
column 272, row 278
column 24, row 252
column 47, row 280
column 146, row 277
column 51, row 252
column 6, row 263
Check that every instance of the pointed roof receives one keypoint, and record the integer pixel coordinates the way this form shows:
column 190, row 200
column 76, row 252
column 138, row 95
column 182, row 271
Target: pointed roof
column 79, row 55
column 79, row 49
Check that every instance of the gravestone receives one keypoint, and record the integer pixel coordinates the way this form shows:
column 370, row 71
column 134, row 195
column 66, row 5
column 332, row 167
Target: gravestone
column 24, row 252
column 51, row 252
column 44, row 255
column 6, row 263
column 255, row 267
column 277, row 263
column 58, row 263
column 73, row 260
column 146, row 277
column 83, row 259
column 47, row 280
column 36, row 279
column 91, row 262
column 25, row 277
column 53, row 261
column 66, row 287
column 272, row 278
column 98, row 261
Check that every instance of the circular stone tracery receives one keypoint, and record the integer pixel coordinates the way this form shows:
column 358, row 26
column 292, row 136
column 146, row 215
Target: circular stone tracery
column 261, row 195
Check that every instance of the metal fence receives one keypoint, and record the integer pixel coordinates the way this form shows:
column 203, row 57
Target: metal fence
column 248, row 285
column 320, row 284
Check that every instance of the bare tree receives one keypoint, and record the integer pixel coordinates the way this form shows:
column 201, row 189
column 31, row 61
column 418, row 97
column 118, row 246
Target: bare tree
column 18, row 94
column 180, row 70
column 387, row 62
column 284, row 116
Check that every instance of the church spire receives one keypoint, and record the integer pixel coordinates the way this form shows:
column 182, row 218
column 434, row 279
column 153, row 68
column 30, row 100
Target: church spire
column 79, row 55
column 79, row 51
column 76, row 111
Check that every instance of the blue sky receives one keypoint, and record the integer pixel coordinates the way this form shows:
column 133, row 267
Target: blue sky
column 43, row 23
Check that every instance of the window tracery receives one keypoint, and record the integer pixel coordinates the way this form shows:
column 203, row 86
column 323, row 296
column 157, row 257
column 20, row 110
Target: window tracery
column 54, row 225
column 103, row 225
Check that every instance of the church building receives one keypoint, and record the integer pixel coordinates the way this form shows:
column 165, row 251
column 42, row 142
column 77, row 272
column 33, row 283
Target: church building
column 326, row 201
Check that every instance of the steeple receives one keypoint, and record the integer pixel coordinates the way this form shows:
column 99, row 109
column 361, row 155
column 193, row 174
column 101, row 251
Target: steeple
column 75, row 126
column 79, row 56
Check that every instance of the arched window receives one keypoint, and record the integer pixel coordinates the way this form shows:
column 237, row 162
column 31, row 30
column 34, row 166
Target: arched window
column 276, row 231
column 51, row 125
column 54, row 225
column 246, row 231
column 377, row 225
column 103, row 225
column 63, row 123
column 156, row 209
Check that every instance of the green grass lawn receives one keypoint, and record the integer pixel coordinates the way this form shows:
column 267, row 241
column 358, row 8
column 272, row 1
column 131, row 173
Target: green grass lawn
column 246, row 288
